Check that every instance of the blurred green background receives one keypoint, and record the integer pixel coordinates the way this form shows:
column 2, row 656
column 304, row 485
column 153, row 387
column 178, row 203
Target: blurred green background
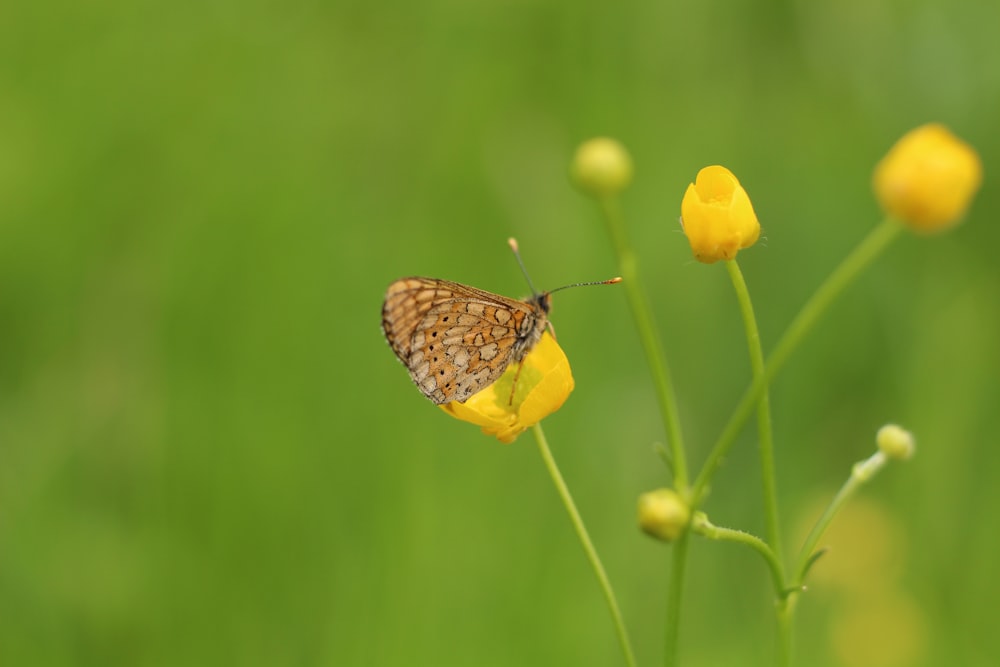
column 209, row 456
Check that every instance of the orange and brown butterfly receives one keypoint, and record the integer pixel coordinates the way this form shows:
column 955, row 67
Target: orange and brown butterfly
column 456, row 340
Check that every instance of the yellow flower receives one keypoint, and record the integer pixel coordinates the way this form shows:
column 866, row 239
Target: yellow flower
column 601, row 167
column 717, row 216
column 928, row 178
column 542, row 387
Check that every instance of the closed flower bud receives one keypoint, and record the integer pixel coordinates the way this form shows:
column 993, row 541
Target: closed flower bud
column 601, row 167
column 895, row 442
column 717, row 216
column 663, row 514
column 927, row 180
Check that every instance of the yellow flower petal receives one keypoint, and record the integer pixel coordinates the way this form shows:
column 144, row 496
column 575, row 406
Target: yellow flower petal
column 544, row 384
column 717, row 216
column 927, row 180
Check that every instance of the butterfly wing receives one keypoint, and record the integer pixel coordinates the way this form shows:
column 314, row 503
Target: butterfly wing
column 456, row 340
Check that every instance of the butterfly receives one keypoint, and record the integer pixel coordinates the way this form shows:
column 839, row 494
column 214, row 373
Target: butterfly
column 456, row 340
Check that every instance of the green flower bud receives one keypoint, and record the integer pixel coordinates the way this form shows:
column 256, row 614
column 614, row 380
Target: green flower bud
column 663, row 514
column 895, row 442
column 601, row 167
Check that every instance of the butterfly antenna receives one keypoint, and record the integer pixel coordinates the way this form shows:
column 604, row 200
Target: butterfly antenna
column 609, row 281
column 512, row 242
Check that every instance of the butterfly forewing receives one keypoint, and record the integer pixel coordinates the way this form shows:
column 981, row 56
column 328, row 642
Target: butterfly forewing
column 456, row 340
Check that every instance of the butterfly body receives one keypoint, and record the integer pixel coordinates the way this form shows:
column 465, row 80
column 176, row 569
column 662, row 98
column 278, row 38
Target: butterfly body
column 456, row 340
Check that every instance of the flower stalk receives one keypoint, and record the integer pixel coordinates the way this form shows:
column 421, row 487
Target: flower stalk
column 765, row 437
column 870, row 248
column 602, row 169
column 861, row 472
column 765, row 433
column 585, row 542
column 649, row 336
column 675, row 594
column 702, row 526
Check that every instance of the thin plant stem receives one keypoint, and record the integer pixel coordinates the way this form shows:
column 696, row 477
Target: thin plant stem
column 765, row 436
column 860, row 258
column 675, row 593
column 860, row 473
column 765, row 431
column 641, row 312
column 588, row 546
column 702, row 526
column 786, row 644
column 650, row 338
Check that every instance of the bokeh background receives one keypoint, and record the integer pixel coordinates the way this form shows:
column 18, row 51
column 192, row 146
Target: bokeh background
column 209, row 456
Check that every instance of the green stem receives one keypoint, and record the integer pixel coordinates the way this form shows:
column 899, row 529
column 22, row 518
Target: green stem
column 765, row 431
column 860, row 473
column 859, row 259
column 588, row 546
column 627, row 265
column 785, row 613
column 641, row 313
column 703, row 526
column 765, row 436
column 674, row 596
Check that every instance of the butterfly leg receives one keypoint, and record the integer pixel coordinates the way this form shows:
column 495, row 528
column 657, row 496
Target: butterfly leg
column 520, row 365
column 513, row 386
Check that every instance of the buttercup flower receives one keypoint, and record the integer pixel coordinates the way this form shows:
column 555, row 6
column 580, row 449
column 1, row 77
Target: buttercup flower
column 928, row 178
column 601, row 167
column 663, row 514
column 717, row 216
column 544, row 384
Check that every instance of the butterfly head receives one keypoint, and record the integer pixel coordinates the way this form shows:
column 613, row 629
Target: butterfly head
column 542, row 301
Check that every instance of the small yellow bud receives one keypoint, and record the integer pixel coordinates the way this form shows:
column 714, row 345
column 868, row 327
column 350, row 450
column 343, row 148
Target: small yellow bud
column 927, row 180
column 895, row 442
column 663, row 514
column 717, row 216
column 601, row 167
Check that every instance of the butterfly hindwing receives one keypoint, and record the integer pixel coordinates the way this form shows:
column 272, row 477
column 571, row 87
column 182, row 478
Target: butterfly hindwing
column 456, row 340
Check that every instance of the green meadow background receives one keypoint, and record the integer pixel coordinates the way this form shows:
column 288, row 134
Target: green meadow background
column 209, row 455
